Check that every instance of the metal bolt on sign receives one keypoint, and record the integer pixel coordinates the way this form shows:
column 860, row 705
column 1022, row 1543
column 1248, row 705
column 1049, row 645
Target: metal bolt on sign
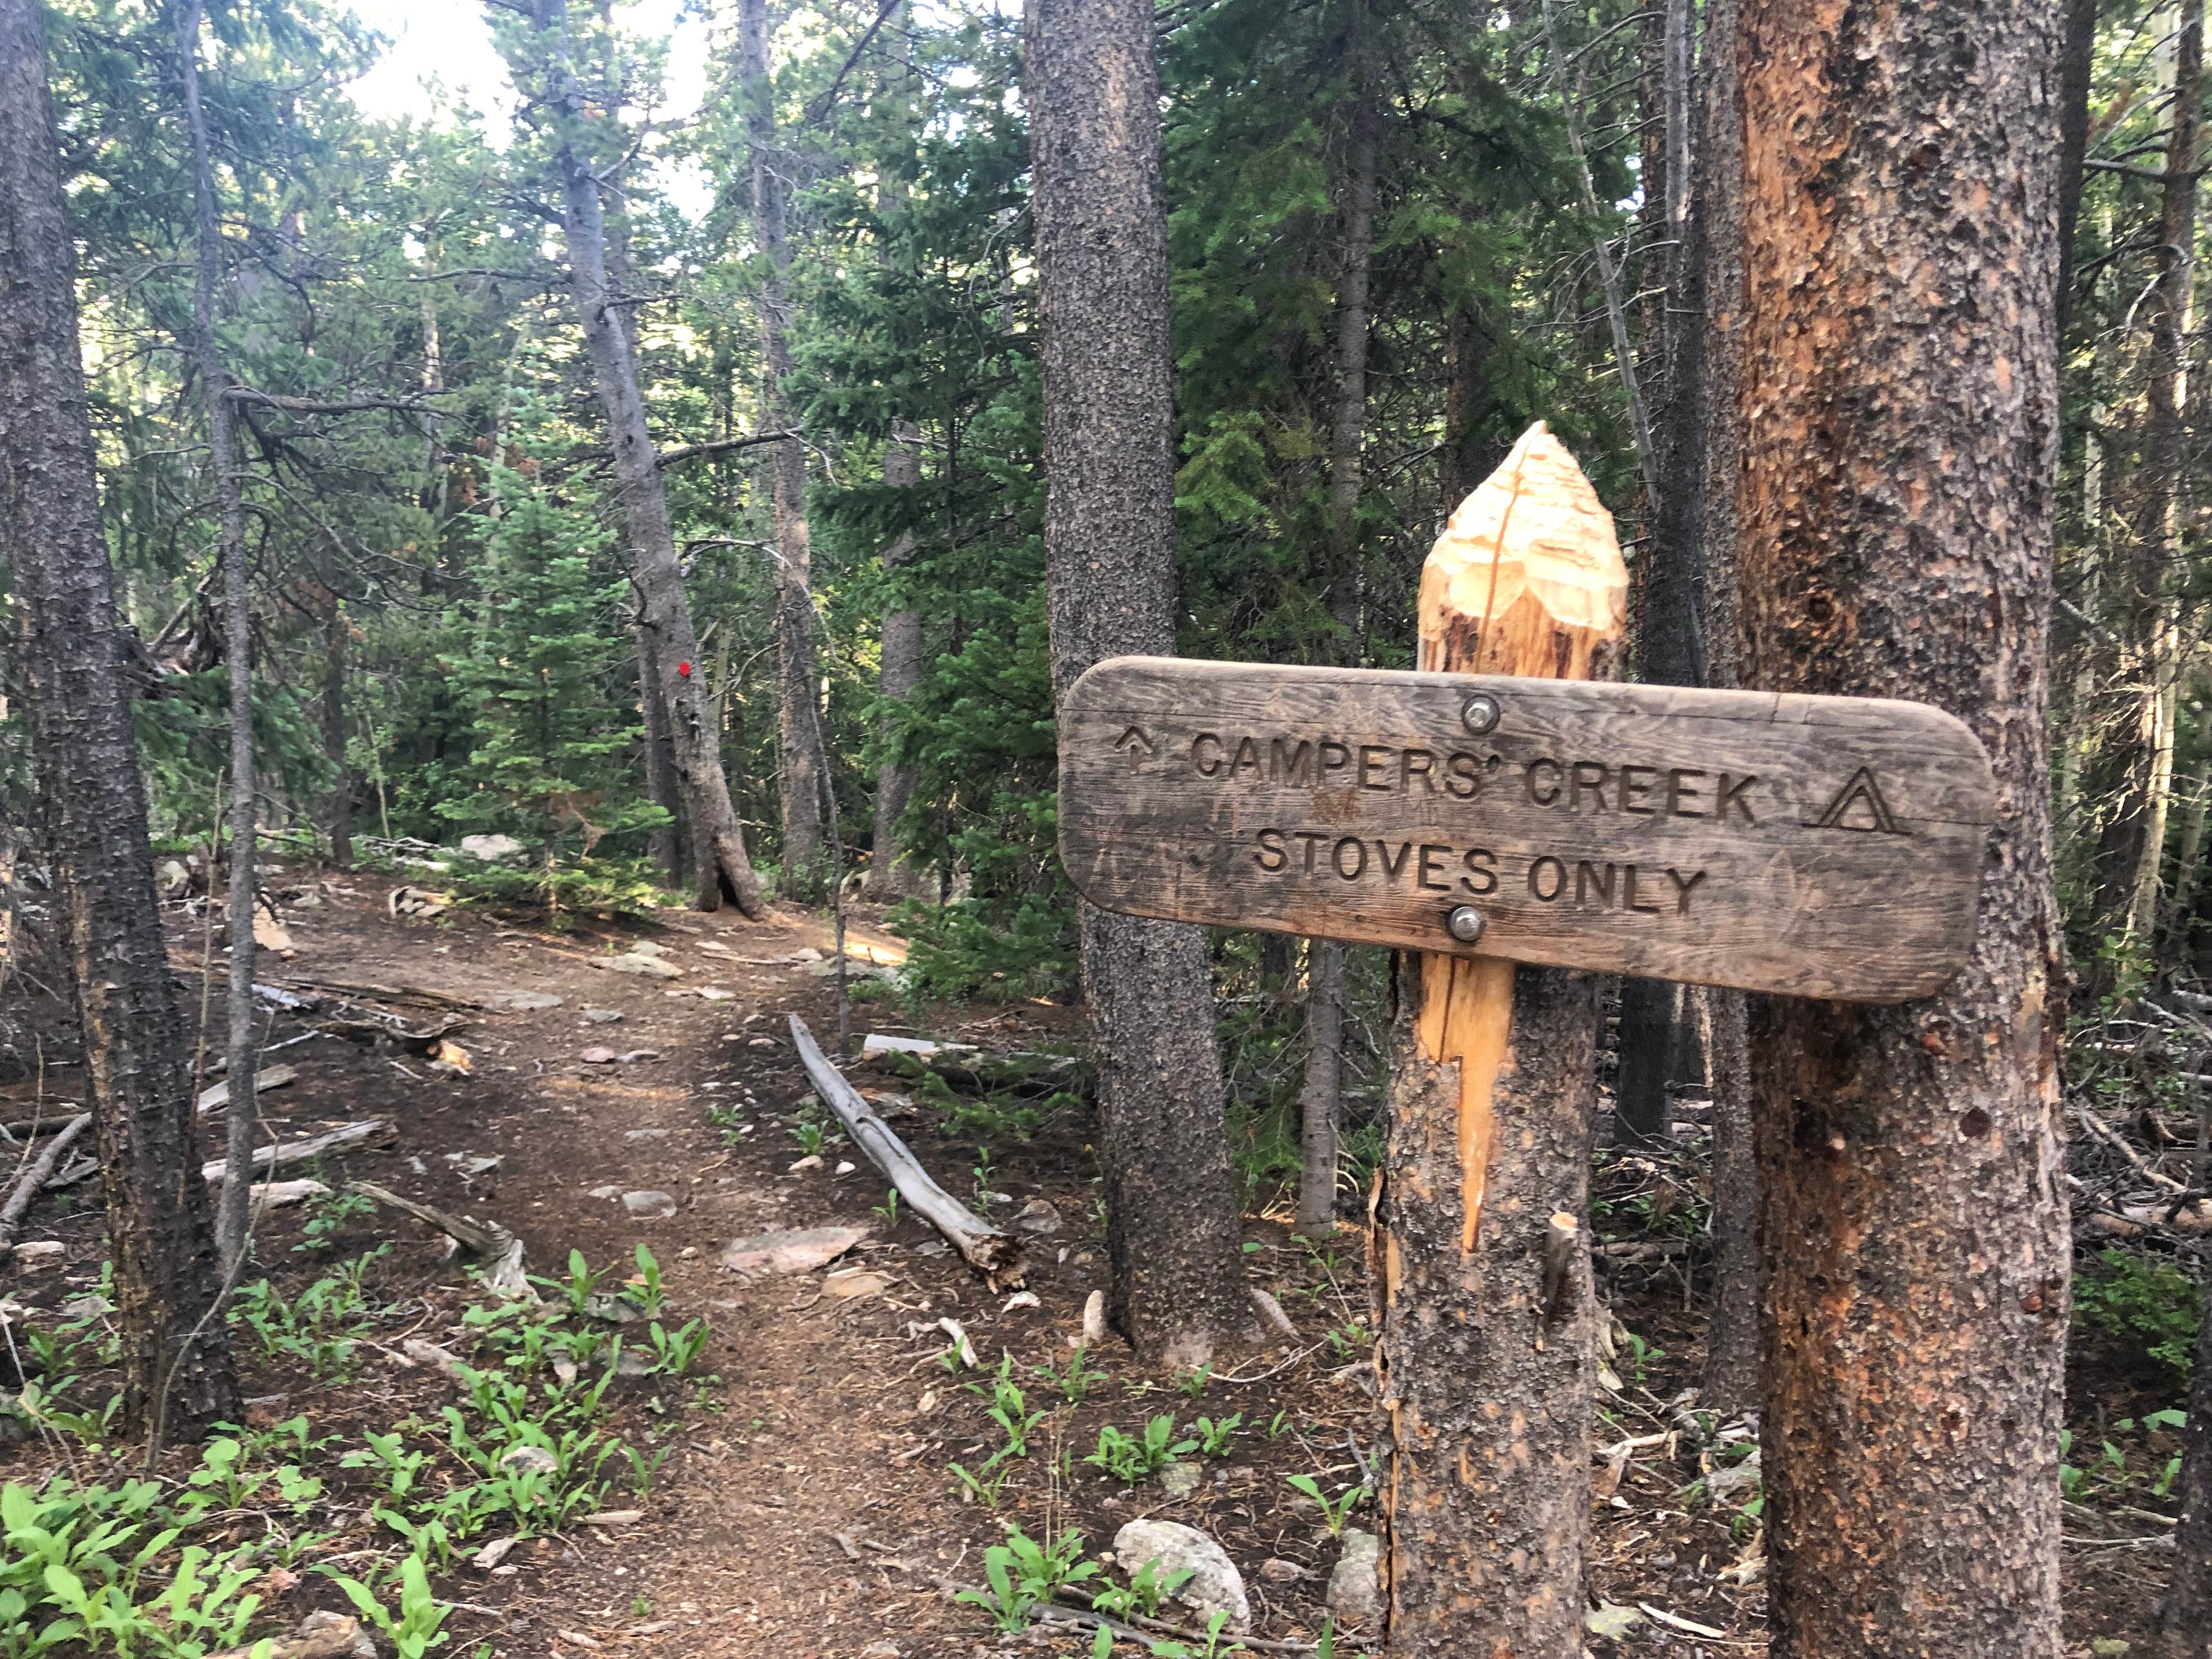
column 1464, row 924
column 1480, row 713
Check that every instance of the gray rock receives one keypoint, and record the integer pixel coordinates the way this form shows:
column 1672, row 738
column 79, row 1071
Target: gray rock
column 630, row 1362
column 1214, row 1584
column 649, row 1203
column 645, row 1135
column 1355, row 1589
column 524, row 1001
column 1276, row 1570
column 534, row 1460
column 1038, row 1216
column 607, row 1191
column 491, row 848
column 1180, row 1480
column 647, row 967
column 600, row 1016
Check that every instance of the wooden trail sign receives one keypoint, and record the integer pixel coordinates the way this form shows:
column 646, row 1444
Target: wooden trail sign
column 1819, row 847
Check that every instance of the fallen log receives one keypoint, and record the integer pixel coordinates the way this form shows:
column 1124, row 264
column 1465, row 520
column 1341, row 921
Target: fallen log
column 275, row 1078
column 41, row 1171
column 996, row 1254
column 342, row 1139
column 499, row 1250
column 964, row 1066
column 409, row 996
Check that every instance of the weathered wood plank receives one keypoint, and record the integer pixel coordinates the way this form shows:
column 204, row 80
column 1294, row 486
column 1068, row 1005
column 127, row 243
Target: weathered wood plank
column 1825, row 846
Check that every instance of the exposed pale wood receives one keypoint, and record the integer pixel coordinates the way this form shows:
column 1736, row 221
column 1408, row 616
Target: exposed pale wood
column 499, row 1250
column 36, row 1176
column 1370, row 839
column 997, row 1255
column 416, row 996
column 1486, row 1361
column 275, row 1077
column 342, row 1139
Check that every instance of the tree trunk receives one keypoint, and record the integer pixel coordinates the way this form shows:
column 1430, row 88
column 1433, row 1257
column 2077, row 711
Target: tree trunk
column 1320, row 1095
column 666, row 848
column 2136, row 772
column 1178, row 1287
column 233, row 1220
column 76, row 662
column 1485, row 1360
column 2180, row 914
column 1731, row 1379
column 2077, row 65
column 891, row 873
column 665, row 611
column 335, row 628
column 2184, row 1627
column 1670, row 575
column 804, row 766
column 1900, row 405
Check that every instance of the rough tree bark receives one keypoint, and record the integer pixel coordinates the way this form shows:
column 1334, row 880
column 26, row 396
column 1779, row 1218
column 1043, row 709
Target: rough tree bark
column 77, row 665
column 1485, row 1360
column 664, row 609
column 798, row 731
column 2183, row 1626
column 1731, row 1379
column 1670, row 574
column 335, row 630
column 1900, row 408
column 2134, row 771
column 1320, row 1092
column 1177, row 1289
column 891, row 874
column 2077, row 68
column 666, row 848
column 233, row 1220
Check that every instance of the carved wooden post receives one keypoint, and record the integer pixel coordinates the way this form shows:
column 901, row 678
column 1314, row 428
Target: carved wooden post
column 1484, row 1359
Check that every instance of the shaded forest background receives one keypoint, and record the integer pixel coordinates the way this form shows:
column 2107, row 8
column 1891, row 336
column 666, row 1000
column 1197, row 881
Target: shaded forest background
column 1398, row 236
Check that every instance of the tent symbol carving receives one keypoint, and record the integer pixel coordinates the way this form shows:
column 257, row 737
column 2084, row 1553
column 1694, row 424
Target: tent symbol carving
column 1859, row 805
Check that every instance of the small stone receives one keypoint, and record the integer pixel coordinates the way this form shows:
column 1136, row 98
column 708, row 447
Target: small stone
column 600, row 1016
column 716, row 993
column 1355, row 1588
column 1612, row 1620
column 932, row 1247
column 880, row 1650
column 850, row 1284
column 790, row 1252
column 647, row 967
column 530, row 1460
column 1021, row 1299
column 645, row 947
column 846, row 1167
column 607, row 1191
column 597, row 1057
column 491, row 1554
column 1276, row 1570
column 757, row 1042
column 524, row 1002
column 90, row 1305
column 1094, row 1319
column 429, row 1353
column 37, row 1253
column 630, row 1362
column 812, row 1161
column 1214, row 1586
column 1038, row 1216
column 1179, row 1479
column 2111, row 1647
column 649, row 1203
column 636, row 1054
column 645, row 1135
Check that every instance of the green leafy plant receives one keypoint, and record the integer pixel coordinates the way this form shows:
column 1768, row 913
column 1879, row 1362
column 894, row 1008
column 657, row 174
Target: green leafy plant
column 1333, row 1514
column 2145, row 1300
column 1073, row 1380
column 1147, row 1588
column 1130, row 1460
column 414, row 1630
column 889, row 1208
column 1009, row 1409
column 1213, row 1437
column 1193, row 1381
column 647, row 1292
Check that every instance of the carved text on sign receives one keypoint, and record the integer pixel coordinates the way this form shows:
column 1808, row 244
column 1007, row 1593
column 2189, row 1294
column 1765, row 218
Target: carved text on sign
column 1828, row 847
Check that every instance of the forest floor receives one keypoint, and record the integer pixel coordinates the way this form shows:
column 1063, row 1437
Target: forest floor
column 806, row 1507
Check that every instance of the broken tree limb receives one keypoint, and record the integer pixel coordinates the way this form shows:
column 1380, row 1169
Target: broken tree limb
column 499, row 1250
column 1486, row 1356
column 2112, row 1138
column 997, row 1255
column 344, row 1137
column 275, row 1077
column 416, row 996
column 40, row 1171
